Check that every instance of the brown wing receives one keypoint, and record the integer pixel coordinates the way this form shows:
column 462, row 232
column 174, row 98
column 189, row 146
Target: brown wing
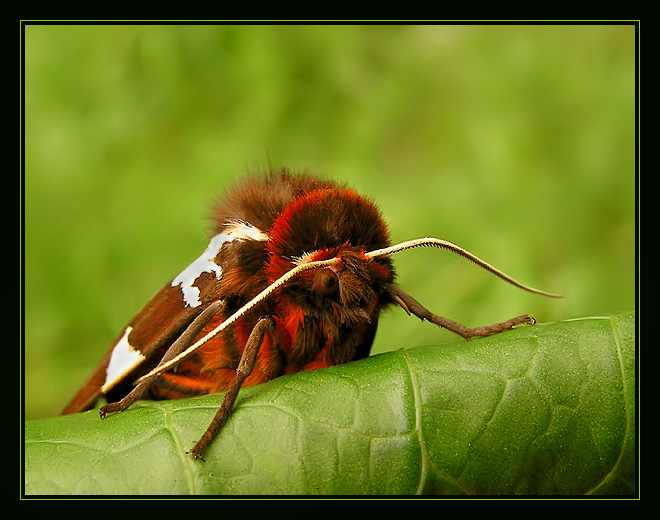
column 139, row 347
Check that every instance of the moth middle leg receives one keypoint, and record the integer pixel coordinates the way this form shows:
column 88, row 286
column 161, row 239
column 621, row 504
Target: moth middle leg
column 412, row 306
column 245, row 368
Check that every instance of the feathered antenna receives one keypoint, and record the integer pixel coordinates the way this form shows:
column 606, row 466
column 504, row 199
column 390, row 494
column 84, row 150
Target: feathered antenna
column 300, row 268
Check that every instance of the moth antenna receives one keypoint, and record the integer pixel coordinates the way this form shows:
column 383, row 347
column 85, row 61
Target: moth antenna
column 240, row 312
column 436, row 242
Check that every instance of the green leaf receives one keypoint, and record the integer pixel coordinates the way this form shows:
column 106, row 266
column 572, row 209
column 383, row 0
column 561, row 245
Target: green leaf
column 548, row 409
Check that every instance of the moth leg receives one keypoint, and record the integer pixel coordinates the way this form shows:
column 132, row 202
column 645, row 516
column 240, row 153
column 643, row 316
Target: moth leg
column 412, row 306
column 182, row 343
column 245, row 367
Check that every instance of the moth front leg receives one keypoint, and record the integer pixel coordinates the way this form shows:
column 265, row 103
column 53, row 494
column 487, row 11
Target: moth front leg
column 181, row 344
column 245, row 367
column 412, row 306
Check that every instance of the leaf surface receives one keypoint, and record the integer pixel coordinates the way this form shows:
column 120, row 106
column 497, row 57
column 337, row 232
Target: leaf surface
column 548, row 409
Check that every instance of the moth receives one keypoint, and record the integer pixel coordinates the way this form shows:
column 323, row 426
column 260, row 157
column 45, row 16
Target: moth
column 294, row 278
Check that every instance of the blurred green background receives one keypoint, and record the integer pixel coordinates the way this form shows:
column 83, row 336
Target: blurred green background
column 516, row 142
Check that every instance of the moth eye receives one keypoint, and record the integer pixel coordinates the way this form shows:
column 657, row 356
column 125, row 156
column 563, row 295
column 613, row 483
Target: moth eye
column 326, row 283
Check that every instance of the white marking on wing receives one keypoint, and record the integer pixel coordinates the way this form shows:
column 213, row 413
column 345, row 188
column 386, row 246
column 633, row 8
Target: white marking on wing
column 206, row 262
column 124, row 358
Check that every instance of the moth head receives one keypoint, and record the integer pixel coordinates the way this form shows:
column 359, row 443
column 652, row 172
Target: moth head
column 349, row 288
column 339, row 226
